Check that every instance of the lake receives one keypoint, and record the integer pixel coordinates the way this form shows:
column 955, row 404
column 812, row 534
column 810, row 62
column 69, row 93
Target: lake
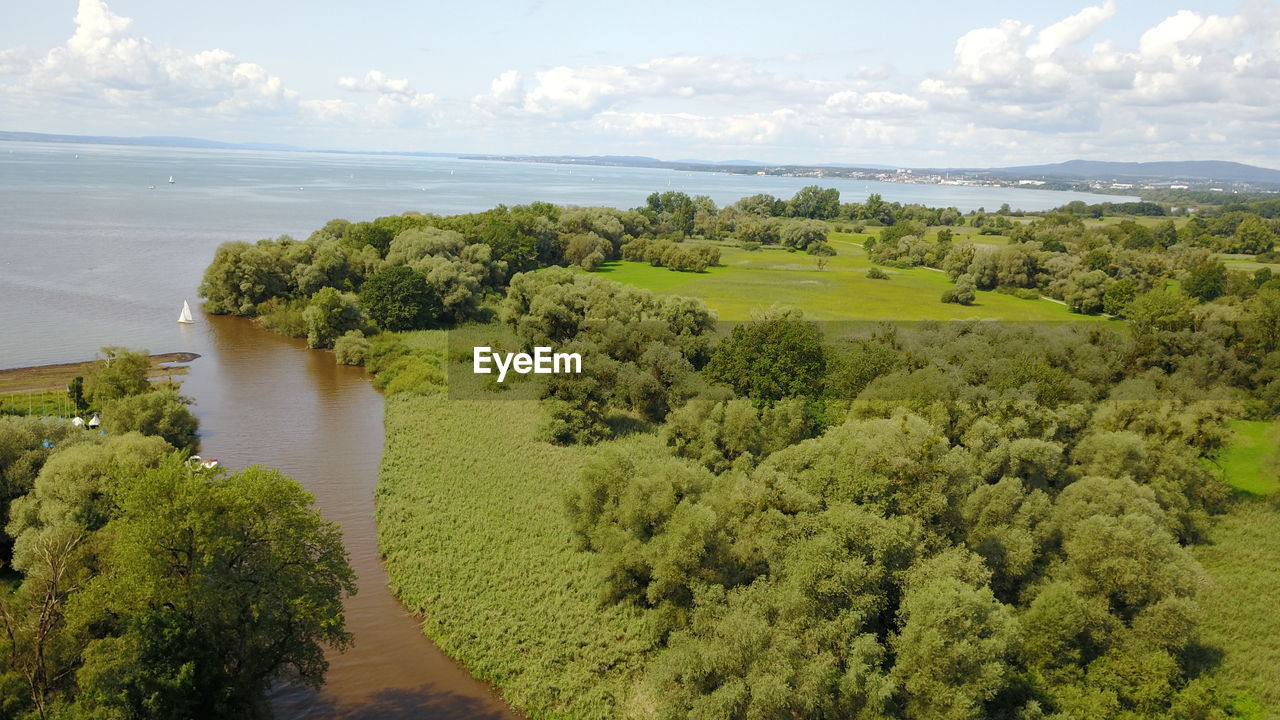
column 89, row 256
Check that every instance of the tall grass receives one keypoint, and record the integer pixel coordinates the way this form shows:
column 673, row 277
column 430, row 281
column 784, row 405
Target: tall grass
column 471, row 523
column 1242, row 560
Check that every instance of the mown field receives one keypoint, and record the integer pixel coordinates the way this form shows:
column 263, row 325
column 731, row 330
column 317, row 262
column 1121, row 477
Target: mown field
column 471, row 521
column 748, row 281
column 1242, row 561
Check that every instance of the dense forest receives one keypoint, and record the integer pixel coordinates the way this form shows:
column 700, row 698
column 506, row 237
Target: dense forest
column 137, row 583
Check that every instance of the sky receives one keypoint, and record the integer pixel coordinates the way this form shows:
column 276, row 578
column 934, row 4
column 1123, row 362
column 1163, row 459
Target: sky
column 937, row 84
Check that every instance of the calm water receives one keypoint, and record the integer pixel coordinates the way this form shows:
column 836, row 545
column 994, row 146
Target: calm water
column 89, row 256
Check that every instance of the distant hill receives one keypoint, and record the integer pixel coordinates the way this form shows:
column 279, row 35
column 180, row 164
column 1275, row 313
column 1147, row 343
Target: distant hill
column 1166, row 170
column 147, row 141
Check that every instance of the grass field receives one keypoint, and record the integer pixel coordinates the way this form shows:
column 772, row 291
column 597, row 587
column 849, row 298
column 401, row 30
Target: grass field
column 749, row 281
column 1251, row 462
column 471, row 522
column 1242, row 560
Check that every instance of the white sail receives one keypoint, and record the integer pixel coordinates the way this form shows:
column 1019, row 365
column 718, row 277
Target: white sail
column 171, row 180
column 185, row 317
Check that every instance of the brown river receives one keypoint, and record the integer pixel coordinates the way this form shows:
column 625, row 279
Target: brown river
column 265, row 399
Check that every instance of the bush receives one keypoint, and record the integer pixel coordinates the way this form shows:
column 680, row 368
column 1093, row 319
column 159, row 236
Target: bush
column 283, row 316
column 160, row 412
column 329, row 315
column 351, row 349
column 876, row 273
column 964, row 292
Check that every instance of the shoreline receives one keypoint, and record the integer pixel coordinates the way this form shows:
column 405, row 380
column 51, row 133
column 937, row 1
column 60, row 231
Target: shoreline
column 55, row 376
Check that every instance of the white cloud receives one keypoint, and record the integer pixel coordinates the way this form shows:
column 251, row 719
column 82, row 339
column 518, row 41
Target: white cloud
column 1191, row 84
column 877, row 102
column 107, row 64
column 388, row 89
column 1070, row 31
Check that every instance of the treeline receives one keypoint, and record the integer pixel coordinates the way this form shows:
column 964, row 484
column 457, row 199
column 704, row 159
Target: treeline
column 958, row 520
column 1093, row 269
column 138, row 584
column 419, row 271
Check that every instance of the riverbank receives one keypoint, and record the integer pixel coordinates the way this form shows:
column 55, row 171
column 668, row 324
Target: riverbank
column 38, row 378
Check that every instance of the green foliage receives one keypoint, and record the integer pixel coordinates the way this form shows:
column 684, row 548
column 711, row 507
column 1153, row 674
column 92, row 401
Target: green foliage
column 801, row 234
column 876, row 273
column 404, row 364
column 331, row 314
column 351, row 349
column 964, row 292
column 120, row 373
column 1118, row 295
column 253, row 593
column 775, row 357
column 148, row 588
column 1206, row 282
column 162, row 413
column 76, row 394
column 815, row 202
column 399, row 298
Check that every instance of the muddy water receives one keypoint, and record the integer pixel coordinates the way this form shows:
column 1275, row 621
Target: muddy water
column 265, row 399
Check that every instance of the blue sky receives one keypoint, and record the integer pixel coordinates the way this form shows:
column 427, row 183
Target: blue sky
column 937, row 83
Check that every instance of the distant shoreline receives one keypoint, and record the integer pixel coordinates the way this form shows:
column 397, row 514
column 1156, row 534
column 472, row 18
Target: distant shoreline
column 55, row 376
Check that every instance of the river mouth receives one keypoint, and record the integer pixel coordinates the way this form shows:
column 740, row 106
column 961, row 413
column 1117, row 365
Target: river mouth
column 268, row 400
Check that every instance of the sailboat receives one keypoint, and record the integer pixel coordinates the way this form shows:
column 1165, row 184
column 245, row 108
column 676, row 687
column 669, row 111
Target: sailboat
column 171, row 180
column 185, row 317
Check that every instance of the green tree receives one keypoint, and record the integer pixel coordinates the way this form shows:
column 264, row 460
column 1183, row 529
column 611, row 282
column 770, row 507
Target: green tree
column 75, row 392
column 399, row 298
column 1207, row 281
column 1118, row 295
column 815, row 202
column 121, row 372
column 1253, row 236
column 768, row 359
column 330, row 314
column 214, row 587
column 161, row 412
column 800, row 234
column 964, row 292
column 953, row 648
column 1159, row 311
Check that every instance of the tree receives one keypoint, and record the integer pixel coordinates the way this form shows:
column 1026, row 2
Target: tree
column 120, row 373
column 161, row 412
column 329, row 315
column 802, row 233
column 214, row 587
column 815, row 202
column 399, row 298
column 1159, row 311
column 952, row 650
column 1118, row 295
column 771, row 358
column 1207, row 281
column 964, row 292
column 75, row 392
column 1253, row 236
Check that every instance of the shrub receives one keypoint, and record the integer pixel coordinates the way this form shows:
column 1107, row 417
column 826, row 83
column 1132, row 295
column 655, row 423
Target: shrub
column 351, row 349
column 876, row 273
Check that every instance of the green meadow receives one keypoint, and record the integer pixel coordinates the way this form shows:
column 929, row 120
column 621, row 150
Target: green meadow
column 476, row 540
column 748, row 281
column 1241, row 561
